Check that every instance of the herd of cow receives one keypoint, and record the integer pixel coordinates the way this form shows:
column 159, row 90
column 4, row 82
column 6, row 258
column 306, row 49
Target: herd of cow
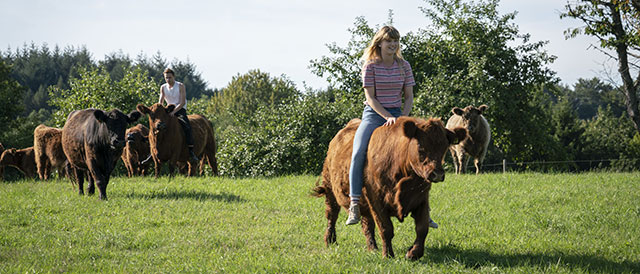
column 403, row 160
column 91, row 142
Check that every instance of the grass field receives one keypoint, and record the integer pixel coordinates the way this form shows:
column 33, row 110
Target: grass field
column 492, row 223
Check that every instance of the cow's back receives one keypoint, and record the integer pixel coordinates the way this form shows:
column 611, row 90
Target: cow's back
column 47, row 142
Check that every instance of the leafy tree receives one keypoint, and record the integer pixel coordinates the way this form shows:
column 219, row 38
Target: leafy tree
column 469, row 54
column 589, row 94
column 94, row 88
column 607, row 136
column 567, row 129
column 615, row 23
column 11, row 93
column 240, row 99
column 290, row 139
column 37, row 68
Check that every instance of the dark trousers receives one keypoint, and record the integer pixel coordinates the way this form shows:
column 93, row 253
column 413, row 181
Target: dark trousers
column 184, row 122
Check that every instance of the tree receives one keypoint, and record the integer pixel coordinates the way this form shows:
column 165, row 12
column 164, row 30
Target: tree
column 240, row 99
column 469, row 54
column 11, row 93
column 37, row 68
column 94, row 88
column 615, row 24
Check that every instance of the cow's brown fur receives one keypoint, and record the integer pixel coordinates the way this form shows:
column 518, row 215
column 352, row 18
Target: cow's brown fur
column 478, row 141
column 168, row 142
column 1, row 166
column 22, row 159
column 402, row 162
column 47, row 146
column 136, row 150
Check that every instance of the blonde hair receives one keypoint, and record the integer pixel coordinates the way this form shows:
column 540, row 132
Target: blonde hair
column 373, row 54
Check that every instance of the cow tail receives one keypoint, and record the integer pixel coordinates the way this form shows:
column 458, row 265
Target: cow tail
column 319, row 190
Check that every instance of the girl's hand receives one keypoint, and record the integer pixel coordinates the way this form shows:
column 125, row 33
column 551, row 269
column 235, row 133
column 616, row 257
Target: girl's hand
column 390, row 121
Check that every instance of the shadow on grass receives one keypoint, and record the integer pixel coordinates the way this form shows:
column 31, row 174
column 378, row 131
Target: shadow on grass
column 194, row 195
column 474, row 259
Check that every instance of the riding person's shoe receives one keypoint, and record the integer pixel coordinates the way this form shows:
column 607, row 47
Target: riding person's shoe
column 354, row 214
column 432, row 224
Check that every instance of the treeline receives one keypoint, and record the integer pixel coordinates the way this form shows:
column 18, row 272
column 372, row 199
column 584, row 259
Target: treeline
column 266, row 126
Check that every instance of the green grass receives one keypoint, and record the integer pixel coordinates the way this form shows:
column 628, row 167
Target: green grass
column 515, row 223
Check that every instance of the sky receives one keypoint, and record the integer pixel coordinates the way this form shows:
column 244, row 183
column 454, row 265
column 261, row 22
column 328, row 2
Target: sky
column 280, row 37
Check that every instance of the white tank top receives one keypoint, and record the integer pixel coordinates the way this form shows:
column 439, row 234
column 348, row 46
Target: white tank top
column 172, row 95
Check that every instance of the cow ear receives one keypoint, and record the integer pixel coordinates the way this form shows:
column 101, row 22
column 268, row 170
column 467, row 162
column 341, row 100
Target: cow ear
column 483, row 108
column 99, row 114
column 456, row 135
column 457, row 111
column 143, row 109
column 409, row 128
column 170, row 108
column 133, row 116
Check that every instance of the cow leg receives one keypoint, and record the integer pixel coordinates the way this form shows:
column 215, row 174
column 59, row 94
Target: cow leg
column 421, row 217
column 478, row 163
column 40, row 167
column 157, row 165
column 332, row 212
column 102, row 187
column 201, row 165
column 100, row 180
column 464, row 161
column 47, row 170
column 383, row 221
column 454, row 156
column 79, row 176
column 92, row 187
column 369, row 230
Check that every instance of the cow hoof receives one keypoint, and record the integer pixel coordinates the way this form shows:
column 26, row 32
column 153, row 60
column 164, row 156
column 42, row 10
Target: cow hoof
column 414, row 255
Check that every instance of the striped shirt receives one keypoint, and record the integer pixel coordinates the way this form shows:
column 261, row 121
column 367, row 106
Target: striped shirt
column 389, row 82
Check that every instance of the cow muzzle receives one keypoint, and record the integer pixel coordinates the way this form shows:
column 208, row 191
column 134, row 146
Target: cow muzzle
column 130, row 138
column 436, row 175
column 161, row 125
column 117, row 144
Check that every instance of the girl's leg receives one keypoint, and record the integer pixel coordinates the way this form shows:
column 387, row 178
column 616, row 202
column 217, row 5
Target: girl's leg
column 370, row 121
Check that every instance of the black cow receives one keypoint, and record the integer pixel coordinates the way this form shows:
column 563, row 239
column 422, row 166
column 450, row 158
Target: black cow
column 92, row 140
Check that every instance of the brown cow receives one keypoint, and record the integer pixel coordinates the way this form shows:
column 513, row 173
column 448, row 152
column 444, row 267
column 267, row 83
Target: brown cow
column 402, row 162
column 479, row 136
column 47, row 146
column 167, row 139
column 92, row 140
column 22, row 159
column 136, row 150
column 1, row 166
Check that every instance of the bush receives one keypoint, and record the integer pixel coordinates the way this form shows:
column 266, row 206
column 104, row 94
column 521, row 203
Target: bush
column 290, row 139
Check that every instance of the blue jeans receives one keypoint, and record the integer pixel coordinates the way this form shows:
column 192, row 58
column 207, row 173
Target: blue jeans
column 370, row 121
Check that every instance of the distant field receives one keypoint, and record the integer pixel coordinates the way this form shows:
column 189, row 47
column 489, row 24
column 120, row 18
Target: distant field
column 515, row 223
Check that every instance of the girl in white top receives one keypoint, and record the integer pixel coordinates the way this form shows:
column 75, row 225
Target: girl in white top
column 174, row 93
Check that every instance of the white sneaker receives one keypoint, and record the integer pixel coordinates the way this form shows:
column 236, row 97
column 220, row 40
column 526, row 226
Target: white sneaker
column 354, row 215
column 432, row 224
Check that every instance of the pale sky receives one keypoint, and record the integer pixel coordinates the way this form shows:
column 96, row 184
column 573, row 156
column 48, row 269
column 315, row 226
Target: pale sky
column 224, row 38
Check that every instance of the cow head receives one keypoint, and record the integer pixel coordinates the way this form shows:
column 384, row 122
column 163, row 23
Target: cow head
column 116, row 123
column 433, row 141
column 470, row 116
column 159, row 117
column 137, row 138
column 8, row 157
